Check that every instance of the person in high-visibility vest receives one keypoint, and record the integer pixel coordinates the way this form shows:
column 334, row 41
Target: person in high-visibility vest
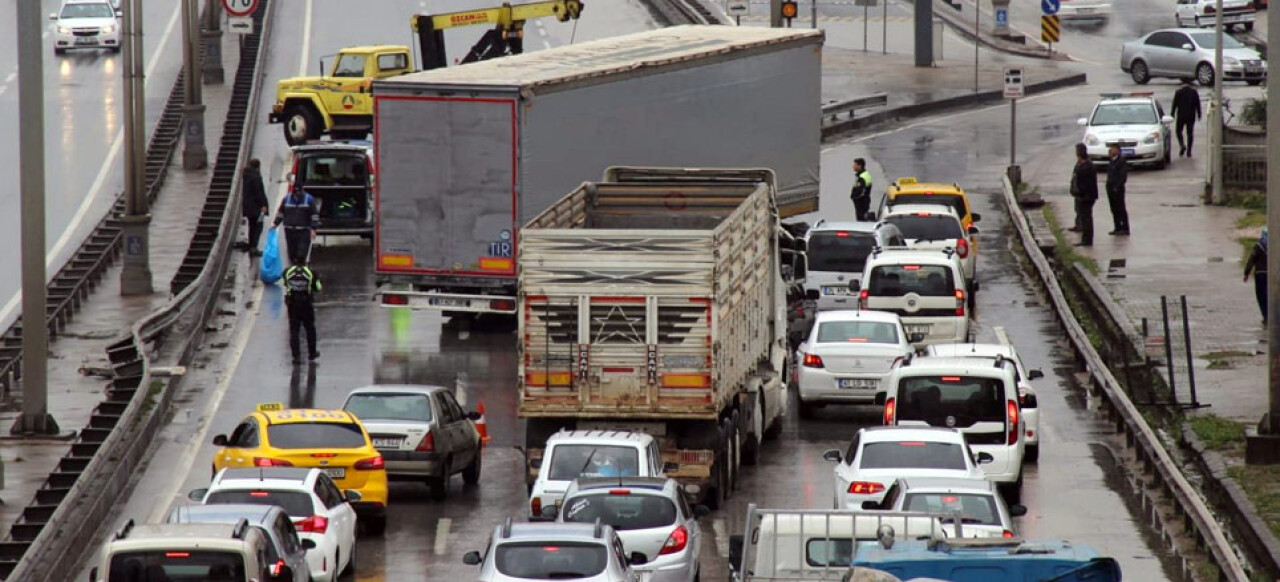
column 861, row 192
column 301, row 285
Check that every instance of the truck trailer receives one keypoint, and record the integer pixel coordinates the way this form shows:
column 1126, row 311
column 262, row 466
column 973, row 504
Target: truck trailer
column 467, row 154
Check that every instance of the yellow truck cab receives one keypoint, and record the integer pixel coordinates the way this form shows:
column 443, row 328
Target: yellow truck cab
column 339, row 103
column 913, row 191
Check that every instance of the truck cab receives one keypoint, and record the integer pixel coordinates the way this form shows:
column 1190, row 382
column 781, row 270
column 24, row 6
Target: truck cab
column 340, row 101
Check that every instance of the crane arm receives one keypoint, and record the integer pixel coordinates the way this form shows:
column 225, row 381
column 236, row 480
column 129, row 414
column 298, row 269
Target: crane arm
column 506, row 37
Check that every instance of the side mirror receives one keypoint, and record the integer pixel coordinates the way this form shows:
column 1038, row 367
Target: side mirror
column 119, row 13
column 352, row 495
column 812, row 294
column 308, row 544
column 220, row 440
column 870, row 505
column 473, row 416
column 670, row 467
column 915, row 338
column 637, row 559
column 1082, row 122
column 880, row 397
column 701, row 511
column 833, row 455
column 471, row 558
column 1034, row 374
column 973, row 230
column 197, row 494
column 1017, row 510
column 550, row 512
column 984, row 458
column 1188, row 47
column 975, row 216
column 736, row 542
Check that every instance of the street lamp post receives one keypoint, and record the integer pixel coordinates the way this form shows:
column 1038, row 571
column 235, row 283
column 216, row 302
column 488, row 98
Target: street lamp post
column 194, row 154
column 212, row 37
column 135, row 277
column 1215, row 141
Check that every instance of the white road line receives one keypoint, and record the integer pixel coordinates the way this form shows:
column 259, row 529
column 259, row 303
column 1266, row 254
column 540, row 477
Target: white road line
column 99, row 181
column 542, row 31
column 10, row 78
column 546, row 43
column 442, row 535
column 722, row 537
column 306, row 40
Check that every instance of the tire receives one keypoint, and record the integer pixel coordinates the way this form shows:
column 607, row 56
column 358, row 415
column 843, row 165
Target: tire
column 1168, row 157
column 1204, row 74
column 774, row 430
column 376, row 525
column 349, row 573
column 440, row 485
column 1248, row 26
column 715, row 499
column 734, row 448
column 1013, row 491
column 1138, row 70
column 301, row 124
column 751, row 445
column 471, row 475
column 59, row 52
column 1032, row 454
column 806, row 409
column 1254, row 82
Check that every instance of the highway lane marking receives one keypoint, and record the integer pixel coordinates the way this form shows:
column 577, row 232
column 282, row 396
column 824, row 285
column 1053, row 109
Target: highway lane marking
column 546, row 43
column 10, row 78
column 306, row 40
column 722, row 537
column 442, row 535
column 98, row 182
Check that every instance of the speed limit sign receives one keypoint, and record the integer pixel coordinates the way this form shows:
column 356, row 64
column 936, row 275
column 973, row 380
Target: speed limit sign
column 240, row 7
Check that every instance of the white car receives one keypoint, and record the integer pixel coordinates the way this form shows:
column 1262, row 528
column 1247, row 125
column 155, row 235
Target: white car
column 982, row 512
column 1134, row 121
column 976, row 397
column 1079, row 10
column 319, row 510
column 925, row 288
column 571, row 454
column 518, row 552
column 1202, row 13
column 651, row 516
column 846, row 356
column 880, row 454
column 936, row 227
column 86, row 24
column 1027, row 398
column 835, row 254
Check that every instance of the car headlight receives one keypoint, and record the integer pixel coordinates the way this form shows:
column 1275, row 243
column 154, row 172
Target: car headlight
column 108, row 29
column 64, row 30
column 1153, row 137
column 1091, row 140
column 1230, row 61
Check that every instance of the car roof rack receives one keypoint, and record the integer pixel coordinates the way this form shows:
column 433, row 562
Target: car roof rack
column 242, row 526
column 599, row 529
column 506, row 527
column 125, row 529
column 1129, row 94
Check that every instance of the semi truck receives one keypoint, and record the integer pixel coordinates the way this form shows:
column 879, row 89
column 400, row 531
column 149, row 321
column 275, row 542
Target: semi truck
column 467, row 154
column 640, row 313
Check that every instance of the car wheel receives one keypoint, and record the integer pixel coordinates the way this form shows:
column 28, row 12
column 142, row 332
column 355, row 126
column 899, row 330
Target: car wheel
column 1254, row 82
column 1013, row 491
column 1032, row 454
column 806, row 409
column 1248, row 26
column 1168, row 157
column 301, row 124
column 1138, row 70
column 751, row 444
column 349, row 573
column 59, row 51
column 440, row 485
column 1204, row 74
column 715, row 498
column 471, row 475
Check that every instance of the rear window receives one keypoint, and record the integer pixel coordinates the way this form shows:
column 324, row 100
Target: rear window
column 822, row 552
column 294, row 503
column 366, row 406
column 839, row 251
column 334, row 170
column 178, row 566
column 973, row 509
column 929, row 227
column 867, row 332
column 622, row 511
column 316, row 435
column 912, row 455
column 568, row 462
column 551, row 561
column 923, row 280
column 954, row 201
column 954, row 401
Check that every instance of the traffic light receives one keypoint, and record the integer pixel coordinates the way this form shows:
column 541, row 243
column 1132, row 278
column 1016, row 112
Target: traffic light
column 790, row 10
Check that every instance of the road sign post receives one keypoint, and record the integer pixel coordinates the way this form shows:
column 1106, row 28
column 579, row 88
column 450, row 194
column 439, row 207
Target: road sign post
column 1049, row 25
column 1013, row 89
column 240, row 8
column 737, row 8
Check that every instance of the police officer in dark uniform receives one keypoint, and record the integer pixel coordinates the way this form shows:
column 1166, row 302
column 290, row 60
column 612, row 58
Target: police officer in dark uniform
column 301, row 286
column 1117, row 176
column 1084, row 189
column 300, row 215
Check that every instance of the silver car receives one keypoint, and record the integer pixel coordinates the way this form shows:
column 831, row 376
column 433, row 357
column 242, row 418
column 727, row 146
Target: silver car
column 1187, row 53
column 589, row 552
column 651, row 517
column 421, row 432
column 982, row 511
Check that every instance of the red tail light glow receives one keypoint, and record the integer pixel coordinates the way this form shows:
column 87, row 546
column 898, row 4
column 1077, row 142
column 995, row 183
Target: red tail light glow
column 676, row 542
column 890, row 410
column 865, row 487
column 177, row 554
column 863, row 295
column 428, row 444
column 535, row 507
column 962, row 248
column 959, row 303
column 1013, row 422
column 1008, row 534
column 315, row 524
column 502, row 304
column 619, row 492
column 842, row 234
column 812, row 361
column 395, row 300
column 269, row 462
column 371, row 464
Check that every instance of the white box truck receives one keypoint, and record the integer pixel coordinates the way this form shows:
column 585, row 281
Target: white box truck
column 467, row 154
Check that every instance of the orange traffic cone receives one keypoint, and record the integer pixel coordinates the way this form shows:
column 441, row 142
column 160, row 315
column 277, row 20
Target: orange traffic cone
column 481, row 426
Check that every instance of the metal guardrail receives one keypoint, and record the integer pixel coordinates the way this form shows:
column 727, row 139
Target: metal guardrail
column 832, row 111
column 74, row 506
column 1165, row 474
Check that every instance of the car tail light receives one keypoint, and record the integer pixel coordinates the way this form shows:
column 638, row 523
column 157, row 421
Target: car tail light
column 269, row 462
column 1013, row 422
column 177, row 554
column 371, row 464
column 812, row 361
column 535, row 507
column 315, row 524
column 863, row 295
column 395, row 300
column 428, row 444
column 959, row 303
column 294, row 169
column 890, row 410
column 1007, row 534
column 962, row 248
column 502, row 304
column 619, row 492
column 277, row 568
column 865, row 487
column 676, row 542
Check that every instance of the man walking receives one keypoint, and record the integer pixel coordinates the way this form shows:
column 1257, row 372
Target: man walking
column 1257, row 264
column 1084, row 189
column 861, row 192
column 301, row 285
column 1117, row 175
column 254, row 203
column 300, row 216
column 1186, row 110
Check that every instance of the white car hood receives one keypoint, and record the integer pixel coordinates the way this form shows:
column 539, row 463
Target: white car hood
column 86, row 22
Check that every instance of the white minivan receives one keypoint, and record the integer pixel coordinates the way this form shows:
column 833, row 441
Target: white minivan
column 924, row 288
column 835, row 255
column 590, row 453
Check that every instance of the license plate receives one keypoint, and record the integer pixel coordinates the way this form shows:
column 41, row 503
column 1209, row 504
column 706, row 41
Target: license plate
column 387, row 443
column 833, row 290
column 86, row 40
column 1252, row 70
column 447, row 302
column 335, row 473
column 918, row 328
column 863, row 383
column 1128, row 152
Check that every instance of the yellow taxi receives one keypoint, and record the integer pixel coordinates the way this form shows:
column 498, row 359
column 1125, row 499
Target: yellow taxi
column 913, row 191
column 331, row 440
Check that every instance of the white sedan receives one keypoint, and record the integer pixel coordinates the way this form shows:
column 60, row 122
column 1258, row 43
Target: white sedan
column 846, row 356
column 879, row 455
column 1136, row 122
column 981, row 509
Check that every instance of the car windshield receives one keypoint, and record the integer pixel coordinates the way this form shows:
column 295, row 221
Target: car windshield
column 622, row 511
column 177, row 565
column 349, row 66
column 316, row 435
column 334, row 170
column 569, row 462
column 923, row 280
column 927, row 227
column 1124, row 114
column 551, row 561
column 1205, row 40
column 955, row 201
column 294, row 503
column 973, row 508
column 368, row 406
column 953, row 401
column 858, row 332
column 912, row 455
column 87, row 10
column 839, row 251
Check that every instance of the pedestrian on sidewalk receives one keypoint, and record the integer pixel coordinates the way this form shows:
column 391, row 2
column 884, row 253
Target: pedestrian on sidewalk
column 1117, row 175
column 1186, row 110
column 1257, row 264
column 1084, row 189
column 300, row 216
column 861, row 192
column 301, row 286
column 254, row 203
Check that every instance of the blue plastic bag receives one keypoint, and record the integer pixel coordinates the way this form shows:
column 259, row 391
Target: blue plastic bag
column 272, row 268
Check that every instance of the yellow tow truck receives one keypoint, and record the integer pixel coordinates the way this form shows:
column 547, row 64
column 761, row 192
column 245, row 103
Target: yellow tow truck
column 340, row 102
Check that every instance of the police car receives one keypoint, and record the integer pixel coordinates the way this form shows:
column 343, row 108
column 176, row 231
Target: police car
column 1136, row 122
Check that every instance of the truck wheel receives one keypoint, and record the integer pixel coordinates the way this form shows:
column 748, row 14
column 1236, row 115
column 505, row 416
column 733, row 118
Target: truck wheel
column 751, row 444
column 715, row 498
column 301, row 124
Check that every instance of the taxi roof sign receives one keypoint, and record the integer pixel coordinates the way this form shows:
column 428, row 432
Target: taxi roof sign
column 908, row 180
column 270, row 406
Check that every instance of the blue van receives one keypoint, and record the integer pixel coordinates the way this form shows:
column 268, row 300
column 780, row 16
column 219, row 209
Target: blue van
column 987, row 560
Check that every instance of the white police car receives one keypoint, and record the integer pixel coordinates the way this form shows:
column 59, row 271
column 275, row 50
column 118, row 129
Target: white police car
column 1134, row 121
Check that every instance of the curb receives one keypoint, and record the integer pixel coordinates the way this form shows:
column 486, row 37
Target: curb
column 1261, row 545
column 940, row 10
column 941, row 105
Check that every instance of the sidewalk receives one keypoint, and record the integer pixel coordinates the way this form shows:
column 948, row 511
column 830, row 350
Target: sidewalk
column 105, row 315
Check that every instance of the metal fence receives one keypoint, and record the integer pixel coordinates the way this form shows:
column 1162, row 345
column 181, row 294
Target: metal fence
column 1244, row 166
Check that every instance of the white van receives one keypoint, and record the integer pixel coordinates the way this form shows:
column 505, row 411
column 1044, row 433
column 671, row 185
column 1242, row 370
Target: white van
column 937, row 227
column 925, row 288
column 836, row 253
column 189, row 552
column 590, row 453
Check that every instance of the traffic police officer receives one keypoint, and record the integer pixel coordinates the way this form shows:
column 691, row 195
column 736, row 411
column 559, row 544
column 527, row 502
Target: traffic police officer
column 301, row 285
column 861, row 192
column 300, row 215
